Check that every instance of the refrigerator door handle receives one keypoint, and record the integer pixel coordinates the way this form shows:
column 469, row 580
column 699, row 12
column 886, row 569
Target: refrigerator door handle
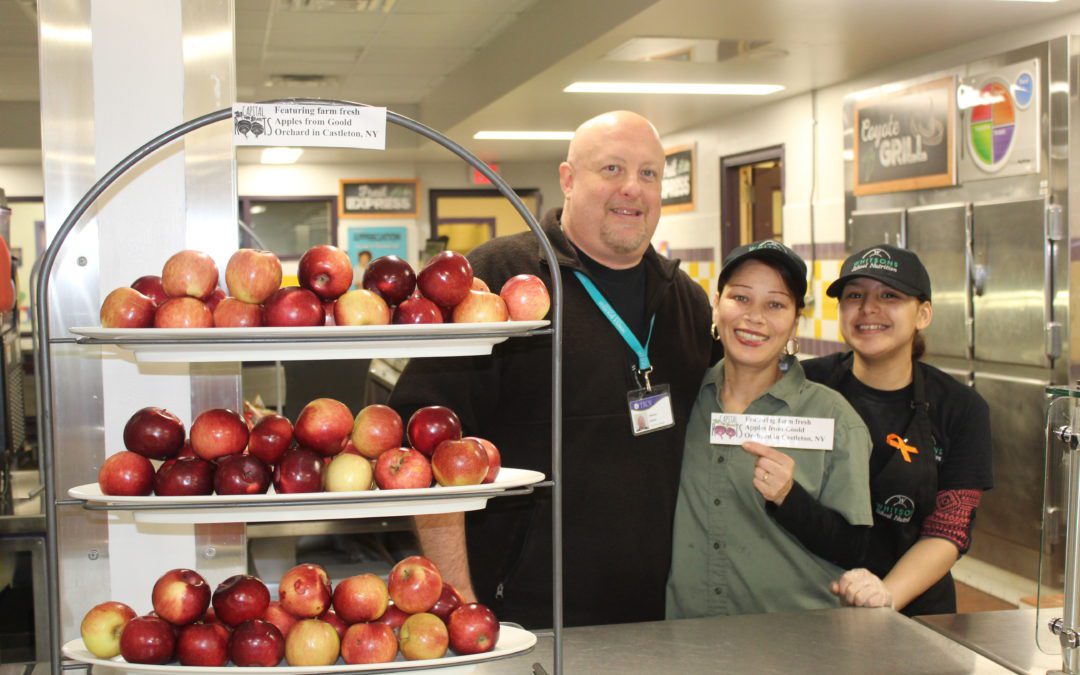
column 1054, row 229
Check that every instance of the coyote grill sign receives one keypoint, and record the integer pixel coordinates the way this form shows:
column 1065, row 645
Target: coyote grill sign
column 904, row 139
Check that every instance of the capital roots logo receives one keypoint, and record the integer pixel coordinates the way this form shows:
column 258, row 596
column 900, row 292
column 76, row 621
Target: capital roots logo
column 768, row 244
column 876, row 253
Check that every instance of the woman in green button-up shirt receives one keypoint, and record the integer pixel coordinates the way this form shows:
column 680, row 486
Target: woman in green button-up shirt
column 728, row 555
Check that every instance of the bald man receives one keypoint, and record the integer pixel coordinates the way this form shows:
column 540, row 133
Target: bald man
column 620, row 466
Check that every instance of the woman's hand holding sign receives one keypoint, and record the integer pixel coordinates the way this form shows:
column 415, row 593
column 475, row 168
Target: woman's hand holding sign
column 773, row 472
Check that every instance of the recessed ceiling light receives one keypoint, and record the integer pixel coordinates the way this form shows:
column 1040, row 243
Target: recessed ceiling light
column 523, row 135
column 715, row 89
column 281, row 155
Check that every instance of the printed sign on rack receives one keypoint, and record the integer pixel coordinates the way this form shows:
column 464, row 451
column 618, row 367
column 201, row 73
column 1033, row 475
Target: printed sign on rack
column 324, row 125
column 804, row 433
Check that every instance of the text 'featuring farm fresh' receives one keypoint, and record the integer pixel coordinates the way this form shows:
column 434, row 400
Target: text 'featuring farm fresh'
column 315, row 125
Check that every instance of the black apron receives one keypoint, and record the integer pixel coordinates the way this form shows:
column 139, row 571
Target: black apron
column 903, row 494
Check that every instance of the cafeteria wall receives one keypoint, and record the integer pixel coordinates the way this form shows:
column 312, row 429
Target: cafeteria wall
column 810, row 127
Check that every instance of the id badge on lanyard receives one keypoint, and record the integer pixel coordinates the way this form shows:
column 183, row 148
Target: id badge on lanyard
column 650, row 406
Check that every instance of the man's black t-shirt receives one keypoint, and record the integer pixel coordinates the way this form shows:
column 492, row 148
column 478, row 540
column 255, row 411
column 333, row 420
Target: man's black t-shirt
column 959, row 419
column 624, row 289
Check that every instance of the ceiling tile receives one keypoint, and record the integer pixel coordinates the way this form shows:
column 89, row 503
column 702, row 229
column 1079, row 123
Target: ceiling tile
column 430, row 30
column 394, row 54
column 460, row 6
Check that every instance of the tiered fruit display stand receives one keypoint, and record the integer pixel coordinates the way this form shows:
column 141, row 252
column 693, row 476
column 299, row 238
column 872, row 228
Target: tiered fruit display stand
column 233, row 345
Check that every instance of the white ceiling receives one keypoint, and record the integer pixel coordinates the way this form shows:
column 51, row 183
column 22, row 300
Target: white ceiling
column 465, row 65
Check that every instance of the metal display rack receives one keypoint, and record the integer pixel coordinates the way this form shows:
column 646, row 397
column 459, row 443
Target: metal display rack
column 45, row 342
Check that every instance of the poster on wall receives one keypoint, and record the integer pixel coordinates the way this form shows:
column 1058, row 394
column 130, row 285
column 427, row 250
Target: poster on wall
column 1002, row 132
column 677, row 186
column 368, row 243
column 904, row 138
column 378, row 198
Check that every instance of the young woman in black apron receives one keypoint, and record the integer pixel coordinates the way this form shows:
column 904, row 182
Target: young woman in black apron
column 931, row 456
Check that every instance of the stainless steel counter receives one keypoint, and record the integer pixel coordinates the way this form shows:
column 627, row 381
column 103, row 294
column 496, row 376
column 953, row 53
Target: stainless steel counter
column 835, row 641
column 1006, row 637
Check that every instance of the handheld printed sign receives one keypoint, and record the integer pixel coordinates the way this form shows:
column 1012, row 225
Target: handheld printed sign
column 803, row 433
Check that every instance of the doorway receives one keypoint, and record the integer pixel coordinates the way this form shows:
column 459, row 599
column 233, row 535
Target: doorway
column 751, row 198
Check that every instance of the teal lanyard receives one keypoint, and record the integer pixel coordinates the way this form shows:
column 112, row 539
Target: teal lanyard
column 644, row 366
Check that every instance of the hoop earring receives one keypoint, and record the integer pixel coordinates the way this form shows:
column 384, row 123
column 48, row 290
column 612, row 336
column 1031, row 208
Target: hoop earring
column 714, row 332
column 792, row 346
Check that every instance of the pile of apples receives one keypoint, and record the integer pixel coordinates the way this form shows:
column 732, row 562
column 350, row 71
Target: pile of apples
column 187, row 294
column 326, row 450
column 363, row 620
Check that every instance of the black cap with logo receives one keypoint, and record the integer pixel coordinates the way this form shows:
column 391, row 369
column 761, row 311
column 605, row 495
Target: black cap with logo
column 895, row 267
column 769, row 249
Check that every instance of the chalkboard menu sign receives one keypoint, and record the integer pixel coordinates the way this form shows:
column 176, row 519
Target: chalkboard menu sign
column 378, row 198
column 904, row 140
column 677, row 187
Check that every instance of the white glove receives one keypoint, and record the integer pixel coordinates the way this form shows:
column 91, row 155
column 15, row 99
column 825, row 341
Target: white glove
column 862, row 588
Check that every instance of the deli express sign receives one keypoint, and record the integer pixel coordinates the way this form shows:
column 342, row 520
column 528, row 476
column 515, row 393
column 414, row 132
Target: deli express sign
column 904, row 140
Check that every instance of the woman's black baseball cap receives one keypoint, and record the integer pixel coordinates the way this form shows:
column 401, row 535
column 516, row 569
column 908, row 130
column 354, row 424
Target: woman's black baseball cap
column 895, row 267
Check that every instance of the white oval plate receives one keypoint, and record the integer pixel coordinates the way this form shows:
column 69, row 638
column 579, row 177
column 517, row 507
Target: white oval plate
column 365, row 504
column 310, row 343
column 512, row 641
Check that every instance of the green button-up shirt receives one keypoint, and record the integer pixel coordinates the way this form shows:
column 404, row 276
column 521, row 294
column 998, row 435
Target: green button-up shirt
column 728, row 555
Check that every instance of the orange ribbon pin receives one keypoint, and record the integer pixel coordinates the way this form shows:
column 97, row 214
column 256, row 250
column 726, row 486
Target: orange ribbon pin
column 901, row 445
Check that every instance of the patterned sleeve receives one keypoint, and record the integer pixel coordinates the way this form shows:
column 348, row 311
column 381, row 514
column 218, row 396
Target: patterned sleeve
column 953, row 517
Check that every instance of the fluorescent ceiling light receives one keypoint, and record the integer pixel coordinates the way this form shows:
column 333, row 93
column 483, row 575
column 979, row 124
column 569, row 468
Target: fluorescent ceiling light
column 281, row 155
column 523, row 135
column 716, row 89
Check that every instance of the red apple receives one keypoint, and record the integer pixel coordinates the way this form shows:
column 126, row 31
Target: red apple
column 127, row 308
column 233, row 313
column 361, row 308
column 417, row 310
column 391, row 277
column 363, row 597
column 241, row 475
column 239, row 598
column 184, row 477
column 376, row 429
column 150, row 286
column 181, row 596
column 218, row 432
column 312, row 642
column 459, row 461
column 326, row 271
column 154, row 433
column 102, row 626
column 331, row 617
column 415, row 584
column 328, row 309
column 126, row 473
column 293, row 306
column 183, row 313
column 256, row 643
column 449, row 600
column 493, row 455
column 348, row 473
column 445, row 279
column 252, row 275
column 210, row 616
column 432, row 425
column 304, row 591
column 189, row 273
column 270, row 438
column 402, row 469
column 323, row 425
column 393, row 617
column 423, row 636
column 480, row 307
column 299, row 470
column 147, row 639
column 214, row 300
column 479, row 284
column 526, row 298
column 279, row 617
column 186, row 451
column 203, row 644
column 473, row 629
column 369, row 643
